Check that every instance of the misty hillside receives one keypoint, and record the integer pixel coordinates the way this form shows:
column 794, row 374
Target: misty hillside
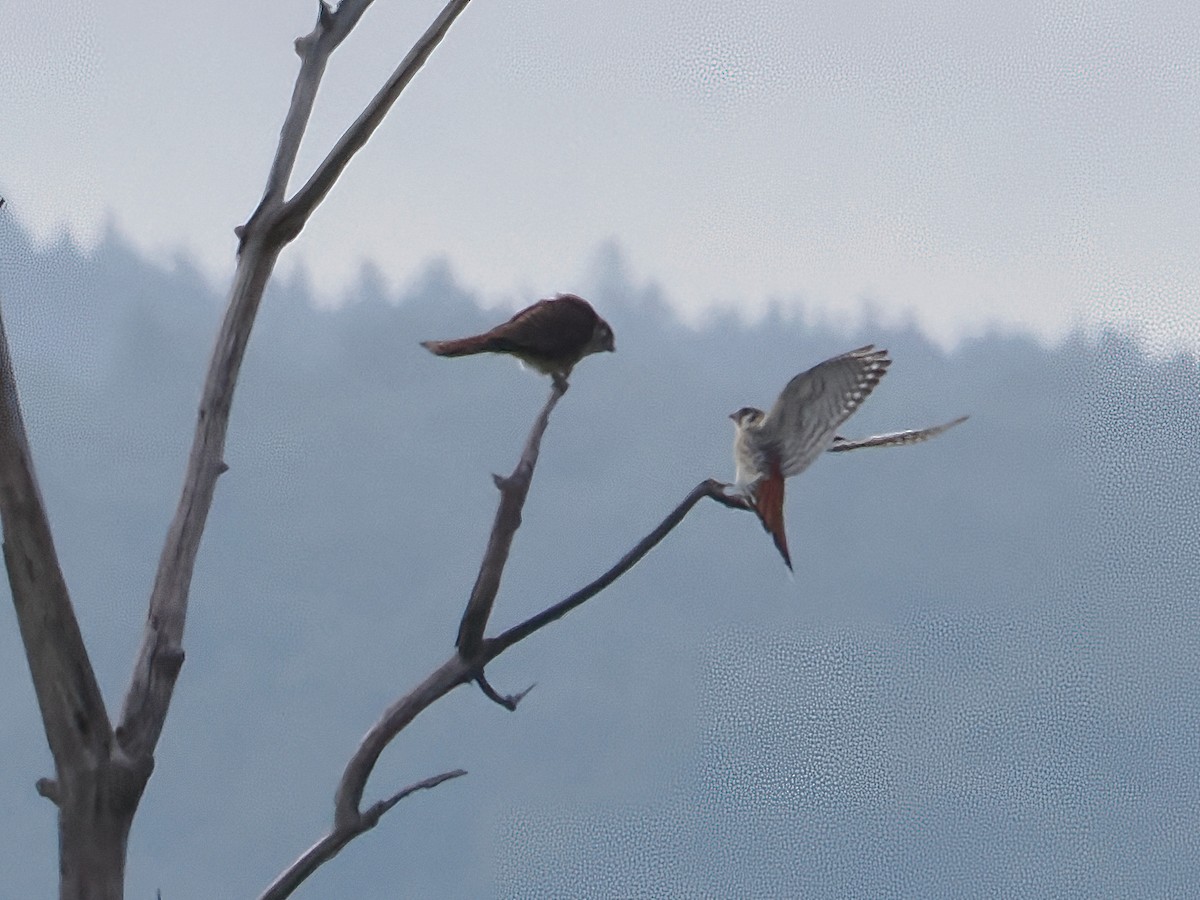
column 981, row 682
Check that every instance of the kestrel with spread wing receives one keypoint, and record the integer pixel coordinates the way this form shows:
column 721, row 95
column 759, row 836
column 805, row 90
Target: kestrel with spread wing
column 771, row 447
column 550, row 336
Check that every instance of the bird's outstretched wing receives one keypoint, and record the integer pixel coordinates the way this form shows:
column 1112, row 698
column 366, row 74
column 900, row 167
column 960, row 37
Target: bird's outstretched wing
column 805, row 418
column 894, row 438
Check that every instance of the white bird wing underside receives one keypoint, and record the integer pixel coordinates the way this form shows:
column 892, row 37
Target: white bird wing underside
column 804, row 420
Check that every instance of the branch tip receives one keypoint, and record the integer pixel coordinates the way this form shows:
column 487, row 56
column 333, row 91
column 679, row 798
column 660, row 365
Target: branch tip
column 371, row 817
column 508, row 701
column 168, row 660
column 48, row 788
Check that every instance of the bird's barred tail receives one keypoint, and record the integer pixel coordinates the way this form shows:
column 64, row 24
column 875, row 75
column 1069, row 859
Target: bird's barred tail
column 480, row 343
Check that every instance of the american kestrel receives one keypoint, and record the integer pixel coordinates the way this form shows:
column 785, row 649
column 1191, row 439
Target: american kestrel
column 550, row 336
column 770, row 447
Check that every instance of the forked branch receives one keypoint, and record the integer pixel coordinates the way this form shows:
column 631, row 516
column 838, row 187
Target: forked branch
column 711, row 488
column 273, row 224
column 329, row 846
column 464, row 666
column 475, row 653
column 297, row 210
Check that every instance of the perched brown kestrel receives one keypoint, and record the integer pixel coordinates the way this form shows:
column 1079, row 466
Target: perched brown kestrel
column 550, row 336
column 770, row 447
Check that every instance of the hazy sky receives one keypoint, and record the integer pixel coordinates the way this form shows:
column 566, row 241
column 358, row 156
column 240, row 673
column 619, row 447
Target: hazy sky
column 1030, row 164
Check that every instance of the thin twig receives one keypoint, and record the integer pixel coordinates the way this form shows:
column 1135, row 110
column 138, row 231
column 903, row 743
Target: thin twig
column 314, row 50
column 441, row 681
column 508, row 701
column 711, row 488
column 331, row 844
column 513, row 491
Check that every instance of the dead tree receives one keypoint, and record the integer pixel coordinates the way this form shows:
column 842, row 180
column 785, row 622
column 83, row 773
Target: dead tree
column 101, row 771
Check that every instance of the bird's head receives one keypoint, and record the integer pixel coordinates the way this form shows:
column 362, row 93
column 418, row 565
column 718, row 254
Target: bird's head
column 747, row 417
column 602, row 337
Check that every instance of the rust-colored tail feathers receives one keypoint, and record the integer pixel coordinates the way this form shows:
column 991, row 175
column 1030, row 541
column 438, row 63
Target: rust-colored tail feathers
column 480, row 343
column 768, row 503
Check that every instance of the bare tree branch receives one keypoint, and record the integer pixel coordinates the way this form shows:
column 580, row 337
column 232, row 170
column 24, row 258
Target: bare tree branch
column 467, row 664
column 95, row 789
column 73, row 714
column 508, row 701
column 100, row 781
column 297, row 210
column 513, row 491
column 262, row 238
column 329, row 846
column 314, row 50
column 441, row 681
column 161, row 654
column 475, row 652
column 712, row 488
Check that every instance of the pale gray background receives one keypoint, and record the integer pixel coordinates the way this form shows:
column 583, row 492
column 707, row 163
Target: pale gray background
column 1030, row 163
column 982, row 680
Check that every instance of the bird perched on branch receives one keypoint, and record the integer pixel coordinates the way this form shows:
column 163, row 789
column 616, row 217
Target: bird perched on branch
column 550, row 336
column 771, row 447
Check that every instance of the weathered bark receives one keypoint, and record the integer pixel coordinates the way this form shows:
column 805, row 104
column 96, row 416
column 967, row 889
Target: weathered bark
column 149, row 695
column 95, row 814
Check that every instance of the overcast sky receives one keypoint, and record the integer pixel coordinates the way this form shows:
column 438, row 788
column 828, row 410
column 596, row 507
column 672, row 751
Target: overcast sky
column 1032, row 164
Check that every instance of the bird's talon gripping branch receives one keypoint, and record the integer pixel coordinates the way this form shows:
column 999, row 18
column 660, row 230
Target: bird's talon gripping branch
column 739, row 494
